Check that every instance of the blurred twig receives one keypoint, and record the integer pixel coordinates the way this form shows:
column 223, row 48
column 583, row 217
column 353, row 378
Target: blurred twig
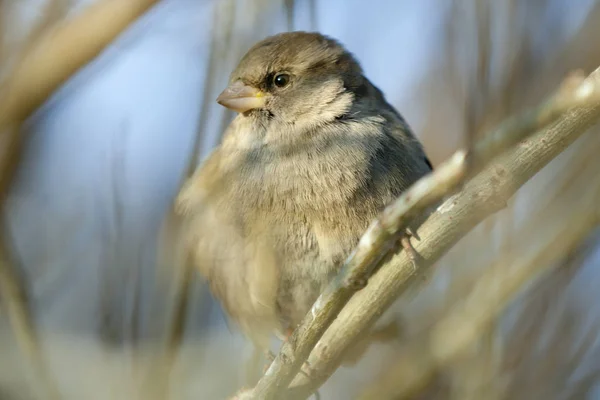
column 289, row 13
column 476, row 372
column 56, row 56
column 14, row 297
column 382, row 236
column 13, row 293
column 158, row 385
column 479, row 84
column 52, row 53
column 559, row 365
column 312, row 9
column 221, row 35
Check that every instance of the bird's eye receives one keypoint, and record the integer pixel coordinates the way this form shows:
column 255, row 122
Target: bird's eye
column 281, row 80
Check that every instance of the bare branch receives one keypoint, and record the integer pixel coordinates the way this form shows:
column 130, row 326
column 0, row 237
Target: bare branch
column 422, row 357
column 312, row 10
column 382, row 235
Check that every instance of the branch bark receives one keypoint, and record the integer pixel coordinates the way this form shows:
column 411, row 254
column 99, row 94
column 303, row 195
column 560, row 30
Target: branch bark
column 382, row 236
column 485, row 194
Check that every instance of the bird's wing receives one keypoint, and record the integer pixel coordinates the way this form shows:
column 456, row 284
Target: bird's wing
column 239, row 269
column 397, row 128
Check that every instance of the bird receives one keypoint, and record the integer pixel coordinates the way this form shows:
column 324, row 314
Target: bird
column 313, row 155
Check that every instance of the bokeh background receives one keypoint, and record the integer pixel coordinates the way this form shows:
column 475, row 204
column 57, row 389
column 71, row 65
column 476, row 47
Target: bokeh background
column 106, row 154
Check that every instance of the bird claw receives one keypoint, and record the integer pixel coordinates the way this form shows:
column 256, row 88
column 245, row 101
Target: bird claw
column 411, row 253
column 269, row 355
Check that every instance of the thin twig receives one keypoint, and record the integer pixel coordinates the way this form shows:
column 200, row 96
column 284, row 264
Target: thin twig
column 13, row 296
column 382, row 235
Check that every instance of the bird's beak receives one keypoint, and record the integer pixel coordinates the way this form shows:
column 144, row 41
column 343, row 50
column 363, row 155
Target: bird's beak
column 241, row 98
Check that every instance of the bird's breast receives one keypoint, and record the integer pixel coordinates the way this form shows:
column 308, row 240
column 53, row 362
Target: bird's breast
column 311, row 197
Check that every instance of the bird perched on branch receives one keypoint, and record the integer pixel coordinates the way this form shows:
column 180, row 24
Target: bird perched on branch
column 314, row 155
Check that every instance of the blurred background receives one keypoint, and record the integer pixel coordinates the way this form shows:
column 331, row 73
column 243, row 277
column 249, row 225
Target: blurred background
column 104, row 157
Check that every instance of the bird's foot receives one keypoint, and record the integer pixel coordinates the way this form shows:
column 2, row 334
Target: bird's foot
column 411, row 253
column 305, row 370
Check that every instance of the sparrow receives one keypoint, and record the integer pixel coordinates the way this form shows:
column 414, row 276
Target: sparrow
column 313, row 156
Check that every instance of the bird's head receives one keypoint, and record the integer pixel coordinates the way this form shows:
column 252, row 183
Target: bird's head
column 297, row 79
